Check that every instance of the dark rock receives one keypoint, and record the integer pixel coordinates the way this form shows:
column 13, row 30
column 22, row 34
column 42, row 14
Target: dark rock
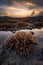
column 40, row 54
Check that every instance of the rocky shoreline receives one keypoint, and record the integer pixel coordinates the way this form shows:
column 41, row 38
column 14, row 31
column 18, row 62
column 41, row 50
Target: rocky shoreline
column 10, row 24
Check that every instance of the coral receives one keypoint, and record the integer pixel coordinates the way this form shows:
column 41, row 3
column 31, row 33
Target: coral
column 22, row 42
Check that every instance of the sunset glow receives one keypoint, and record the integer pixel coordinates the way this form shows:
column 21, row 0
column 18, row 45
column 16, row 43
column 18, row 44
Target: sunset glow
column 20, row 9
column 19, row 12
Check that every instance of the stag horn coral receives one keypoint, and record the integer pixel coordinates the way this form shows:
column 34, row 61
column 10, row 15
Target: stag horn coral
column 22, row 42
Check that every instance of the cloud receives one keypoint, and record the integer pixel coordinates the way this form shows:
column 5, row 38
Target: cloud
column 20, row 8
column 10, row 2
column 14, row 11
column 37, row 2
column 18, row 12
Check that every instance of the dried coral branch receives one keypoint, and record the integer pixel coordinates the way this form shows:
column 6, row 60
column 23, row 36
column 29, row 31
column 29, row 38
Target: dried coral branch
column 22, row 42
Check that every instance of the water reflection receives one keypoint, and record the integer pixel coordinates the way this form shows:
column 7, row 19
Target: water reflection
column 39, row 35
column 3, row 36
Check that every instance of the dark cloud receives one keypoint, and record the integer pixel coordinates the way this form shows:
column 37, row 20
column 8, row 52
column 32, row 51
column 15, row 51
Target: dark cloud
column 2, row 12
column 37, row 2
column 6, row 2
column 10, row 2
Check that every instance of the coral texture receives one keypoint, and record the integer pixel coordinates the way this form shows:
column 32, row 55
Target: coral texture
column 22, row 42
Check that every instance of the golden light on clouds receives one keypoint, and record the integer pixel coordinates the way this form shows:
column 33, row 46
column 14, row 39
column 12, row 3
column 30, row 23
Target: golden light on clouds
column 29, row 3
column 20, row 9
column 19, row 12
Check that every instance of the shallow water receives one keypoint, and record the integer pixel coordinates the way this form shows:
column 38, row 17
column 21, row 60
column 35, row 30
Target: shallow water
column 39, row 36
column 3, row 36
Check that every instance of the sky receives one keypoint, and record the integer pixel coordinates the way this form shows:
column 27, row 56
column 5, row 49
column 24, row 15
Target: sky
column 21, row 8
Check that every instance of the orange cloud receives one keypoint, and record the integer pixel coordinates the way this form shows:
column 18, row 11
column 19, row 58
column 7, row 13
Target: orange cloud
column 20, row 9
column 18, row 12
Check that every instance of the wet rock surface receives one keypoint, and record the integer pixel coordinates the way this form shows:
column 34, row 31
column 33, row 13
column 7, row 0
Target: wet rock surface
column 9, row 57
column 40, row 54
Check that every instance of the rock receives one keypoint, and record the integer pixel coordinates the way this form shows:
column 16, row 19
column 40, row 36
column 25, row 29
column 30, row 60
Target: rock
column 40, row 54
